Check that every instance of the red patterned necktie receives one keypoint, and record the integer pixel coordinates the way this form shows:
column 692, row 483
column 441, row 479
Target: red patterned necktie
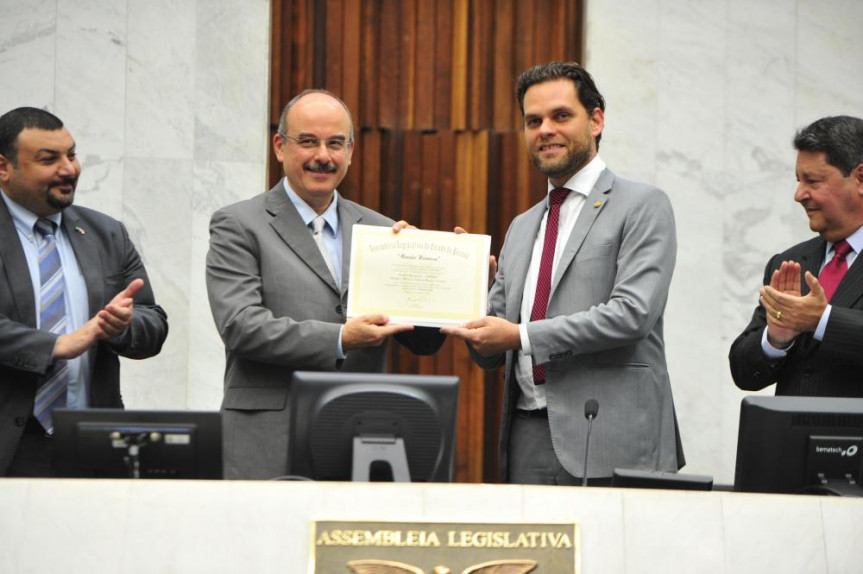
column 833, row 272
column 543, row 283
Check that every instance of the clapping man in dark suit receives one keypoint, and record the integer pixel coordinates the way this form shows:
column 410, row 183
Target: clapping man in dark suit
column 73, row 293
column 575, row 311
column 806, row 336
column 277, row 277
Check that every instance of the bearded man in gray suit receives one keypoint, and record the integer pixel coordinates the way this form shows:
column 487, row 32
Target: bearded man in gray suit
column 277, row 278
column 575, row 311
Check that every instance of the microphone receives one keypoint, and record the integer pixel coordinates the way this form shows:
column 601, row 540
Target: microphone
column 591, row 407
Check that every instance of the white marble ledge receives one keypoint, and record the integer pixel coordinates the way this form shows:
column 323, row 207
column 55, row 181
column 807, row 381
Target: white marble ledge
column 214, row 526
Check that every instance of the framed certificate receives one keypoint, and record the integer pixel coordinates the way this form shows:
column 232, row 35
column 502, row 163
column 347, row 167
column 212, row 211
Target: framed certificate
column 424, row 278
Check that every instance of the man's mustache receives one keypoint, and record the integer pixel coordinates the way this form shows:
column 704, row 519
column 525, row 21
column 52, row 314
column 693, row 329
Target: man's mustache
column 318, row 167
column 65, row 181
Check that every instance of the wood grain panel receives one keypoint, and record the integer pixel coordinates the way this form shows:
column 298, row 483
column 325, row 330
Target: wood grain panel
column 438, row 133
column 407, row 62
column 370, row 64
column 424, row 65
column 389, row 64
column 460, row 30
column 332, row 45
column 352, row 57
column 443, row 64
column 502, row 81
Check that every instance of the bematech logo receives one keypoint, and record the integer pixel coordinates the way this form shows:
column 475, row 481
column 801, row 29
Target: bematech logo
column 850, row 451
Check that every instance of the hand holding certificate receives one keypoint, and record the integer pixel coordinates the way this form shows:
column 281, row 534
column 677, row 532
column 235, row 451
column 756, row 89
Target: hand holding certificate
column 425, row 278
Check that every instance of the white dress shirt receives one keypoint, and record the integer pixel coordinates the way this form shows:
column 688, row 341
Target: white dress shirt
column 582, row 183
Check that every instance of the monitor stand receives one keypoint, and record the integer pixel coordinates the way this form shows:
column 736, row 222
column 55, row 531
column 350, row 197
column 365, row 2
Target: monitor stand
column 834, row 487
column 133, row 442
column 370, row 449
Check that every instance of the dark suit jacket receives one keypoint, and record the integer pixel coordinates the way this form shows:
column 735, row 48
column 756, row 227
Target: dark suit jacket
column 109, row 262
column 829, row 368
column 278, row 309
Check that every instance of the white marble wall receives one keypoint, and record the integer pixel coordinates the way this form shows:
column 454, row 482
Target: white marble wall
column 704, row 97
column 168, row 103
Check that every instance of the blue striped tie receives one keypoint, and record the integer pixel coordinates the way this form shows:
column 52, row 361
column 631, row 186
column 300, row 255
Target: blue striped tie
column 52, row 314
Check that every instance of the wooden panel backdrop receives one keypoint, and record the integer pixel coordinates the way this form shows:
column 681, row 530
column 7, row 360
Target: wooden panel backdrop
column 439, row 141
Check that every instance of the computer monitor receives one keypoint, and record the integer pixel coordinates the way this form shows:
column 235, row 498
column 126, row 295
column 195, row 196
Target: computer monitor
column 359, row 426
column 115, row 443
column 800, row 445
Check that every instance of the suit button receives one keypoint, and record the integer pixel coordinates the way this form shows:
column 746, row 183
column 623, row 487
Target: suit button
column 807, row 372
column 339, row 309
column 20, row 421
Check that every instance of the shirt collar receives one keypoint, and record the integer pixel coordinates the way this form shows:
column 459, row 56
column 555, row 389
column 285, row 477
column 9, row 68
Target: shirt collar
column 584, row 179
column 25, row 219
column 855, row 240
column 307, row 214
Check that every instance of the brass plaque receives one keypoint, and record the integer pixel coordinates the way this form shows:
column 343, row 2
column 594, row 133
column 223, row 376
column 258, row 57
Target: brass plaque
column 444, row 548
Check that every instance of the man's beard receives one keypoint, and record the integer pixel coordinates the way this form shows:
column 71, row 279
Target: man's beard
column 572, row 163
column 62, row 200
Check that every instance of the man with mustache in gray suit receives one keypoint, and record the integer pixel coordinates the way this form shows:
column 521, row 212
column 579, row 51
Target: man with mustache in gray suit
column 277, row 278
column 575, row 311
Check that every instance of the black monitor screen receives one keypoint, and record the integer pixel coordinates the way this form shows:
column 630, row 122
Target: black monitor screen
column 339, row 417
column 114, row 443
column 799, row 444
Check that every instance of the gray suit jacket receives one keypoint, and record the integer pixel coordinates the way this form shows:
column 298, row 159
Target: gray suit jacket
column 109, row 262
column 278, row 310
column 602, row 338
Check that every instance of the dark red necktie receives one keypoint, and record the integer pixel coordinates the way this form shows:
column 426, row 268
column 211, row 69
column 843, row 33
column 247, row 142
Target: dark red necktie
column 543, row 283
column 833, row 272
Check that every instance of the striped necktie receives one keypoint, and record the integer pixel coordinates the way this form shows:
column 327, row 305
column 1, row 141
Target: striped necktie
column 318, row 224
column 52, row 314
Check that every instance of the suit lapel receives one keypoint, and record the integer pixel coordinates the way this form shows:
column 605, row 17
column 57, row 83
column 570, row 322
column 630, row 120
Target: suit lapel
column 811, row 260
column 593, row 205
column 87, row 251
column 290, row 227
column 518, row 263
column 13, row 265
column 850, row 289
column 348, row 217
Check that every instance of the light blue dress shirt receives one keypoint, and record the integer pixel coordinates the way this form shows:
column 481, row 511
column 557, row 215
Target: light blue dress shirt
column 77, row 306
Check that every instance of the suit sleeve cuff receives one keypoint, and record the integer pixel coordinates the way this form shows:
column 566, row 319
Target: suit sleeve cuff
column 822, row 324
column 525, row 340
column 340, row 353
column 772, row 352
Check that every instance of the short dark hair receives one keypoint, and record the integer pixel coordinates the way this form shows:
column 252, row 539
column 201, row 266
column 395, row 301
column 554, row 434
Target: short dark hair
column 14, row 122
column 839, row 137
column 585, row 88
column 283, row 120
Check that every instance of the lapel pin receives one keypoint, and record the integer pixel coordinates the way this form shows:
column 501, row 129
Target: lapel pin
column 81, row 231
column 597, row 204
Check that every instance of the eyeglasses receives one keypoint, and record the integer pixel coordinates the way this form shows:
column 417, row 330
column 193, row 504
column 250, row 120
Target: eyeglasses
column 335, row 145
